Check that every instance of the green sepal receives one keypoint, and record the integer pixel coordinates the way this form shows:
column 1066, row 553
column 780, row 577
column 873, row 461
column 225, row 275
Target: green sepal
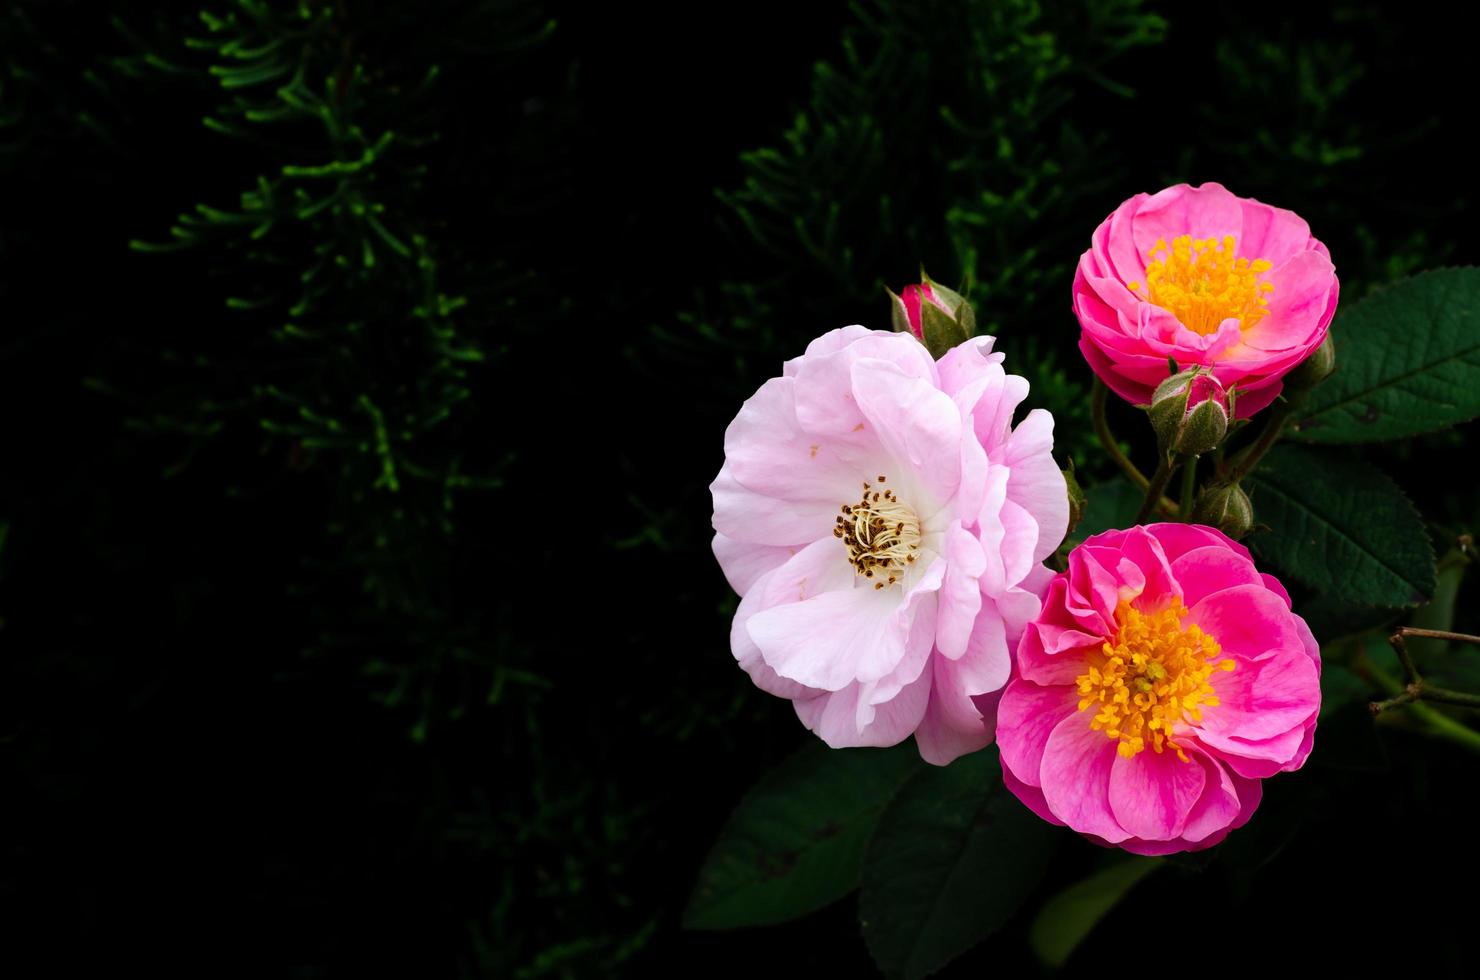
column 947, row 297
column 941, row 332
column 899, row 318
column 966, row 316
column 1166, row 420
column 1203, row 429
column 1077, row 499
column 959, row 306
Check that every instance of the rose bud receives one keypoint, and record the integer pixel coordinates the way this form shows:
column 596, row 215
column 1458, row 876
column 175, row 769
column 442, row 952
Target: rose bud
column 1226, row 507
column 939, row 317
column 1315, row 368
column 1190, row 412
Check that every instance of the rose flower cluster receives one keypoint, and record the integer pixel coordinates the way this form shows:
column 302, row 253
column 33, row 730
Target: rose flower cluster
column 893, row 521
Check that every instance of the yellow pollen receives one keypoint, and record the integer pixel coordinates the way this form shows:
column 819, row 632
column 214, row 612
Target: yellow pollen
column 1149, row 677
column 881, row 534
column 1203, row 282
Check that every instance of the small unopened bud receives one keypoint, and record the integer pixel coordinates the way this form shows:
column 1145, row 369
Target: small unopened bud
column 941, row 318
column 1315, row 368
column 1226, row 507
column 1190, row 412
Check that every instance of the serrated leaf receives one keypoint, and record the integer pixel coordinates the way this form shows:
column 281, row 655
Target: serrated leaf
column 1407, row 361
column 796, row 841
column 953, row 857
column 1342, row 527
column 1067, row 918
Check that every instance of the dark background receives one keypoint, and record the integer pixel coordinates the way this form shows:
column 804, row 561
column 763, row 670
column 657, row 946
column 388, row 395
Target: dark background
column 261, row 711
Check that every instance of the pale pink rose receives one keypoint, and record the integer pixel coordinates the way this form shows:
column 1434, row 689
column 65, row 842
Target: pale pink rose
column 1202, row 277
column 1165, row 677
column 885, row 526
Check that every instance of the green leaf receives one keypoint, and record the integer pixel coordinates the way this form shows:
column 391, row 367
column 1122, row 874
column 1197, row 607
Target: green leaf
column 1067, row 918
column 796, row 842
column 1342, row 527
column 953, row 857
column 1407, row 361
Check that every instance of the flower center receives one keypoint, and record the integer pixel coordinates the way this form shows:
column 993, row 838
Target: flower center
column 1148, row 677
column 882, row 535
column 1202, row 283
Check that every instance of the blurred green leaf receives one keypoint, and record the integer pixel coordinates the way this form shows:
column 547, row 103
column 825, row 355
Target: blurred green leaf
column 1346, row 737
column 1112, row 504
column 1407, row 361
column 1341, row 687
column 1331, row 618
column 1341, row 526
column 1067, row 918
column 953, row 857
column 796, row 842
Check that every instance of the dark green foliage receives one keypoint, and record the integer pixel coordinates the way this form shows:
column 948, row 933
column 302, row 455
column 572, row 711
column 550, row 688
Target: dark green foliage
column 41, row 120
column 1287, row 113
column 431, row 327
column 1407, row 358
column 797, row 840
column 1112, row 504
column 940, row 136
column 1067, row 918
column 954, row 856
column 352, row 344
column 1342, row 527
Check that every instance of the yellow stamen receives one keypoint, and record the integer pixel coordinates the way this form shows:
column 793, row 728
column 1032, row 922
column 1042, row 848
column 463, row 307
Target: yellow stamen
column 1203, row 282
column 1149, row 677
column 881, row 534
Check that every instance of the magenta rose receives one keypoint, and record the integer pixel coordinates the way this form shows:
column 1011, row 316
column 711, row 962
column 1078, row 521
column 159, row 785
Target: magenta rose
column 1199, row 276
column 1165, row 677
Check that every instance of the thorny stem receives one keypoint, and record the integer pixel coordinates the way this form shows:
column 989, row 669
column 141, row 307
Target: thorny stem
column 1415, row 687
column 1112, row 448
column 1189, row 487
column 1243, row 464
column 1107, row 438
column 1159, row 483
column 1436, row 724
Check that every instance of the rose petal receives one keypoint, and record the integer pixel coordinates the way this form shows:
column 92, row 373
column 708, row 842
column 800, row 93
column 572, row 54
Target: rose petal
column 1075, row 777
column 1152, row 793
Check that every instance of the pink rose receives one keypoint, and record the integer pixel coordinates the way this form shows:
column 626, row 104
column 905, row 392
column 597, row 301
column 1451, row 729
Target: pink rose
column 885, row 526
column 1164, row 679
column 1202, row 277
